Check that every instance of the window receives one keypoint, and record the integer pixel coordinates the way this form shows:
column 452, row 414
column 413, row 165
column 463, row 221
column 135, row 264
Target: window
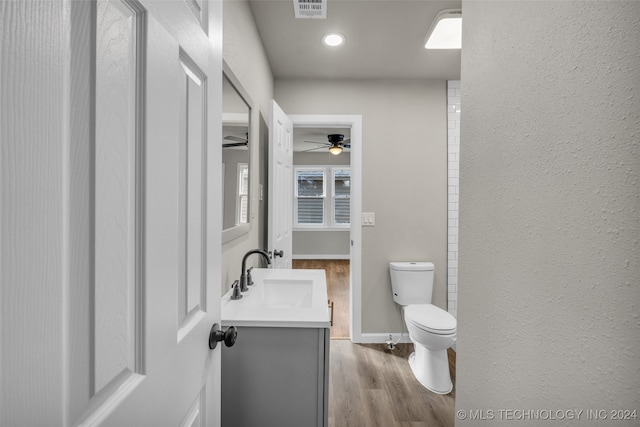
column 310, row 195
column 322, row 197
column 341, row 196
column 242, row 200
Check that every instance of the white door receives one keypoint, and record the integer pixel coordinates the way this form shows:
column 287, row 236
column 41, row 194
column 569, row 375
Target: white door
column 280, row 187
column 110, row 223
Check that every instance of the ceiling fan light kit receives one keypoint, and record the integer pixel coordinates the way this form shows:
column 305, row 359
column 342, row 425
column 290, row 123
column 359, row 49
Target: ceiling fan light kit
column 336, row 144
column 335, row 149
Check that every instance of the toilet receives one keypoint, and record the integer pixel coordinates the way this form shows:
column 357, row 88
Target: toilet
column 431, row 329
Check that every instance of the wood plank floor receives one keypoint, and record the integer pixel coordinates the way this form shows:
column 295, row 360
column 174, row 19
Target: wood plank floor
column 369, row 385
column 372, row 386
column 337, row 272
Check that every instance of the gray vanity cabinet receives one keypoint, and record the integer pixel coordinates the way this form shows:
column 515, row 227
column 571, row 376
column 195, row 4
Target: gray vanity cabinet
column 276, row 377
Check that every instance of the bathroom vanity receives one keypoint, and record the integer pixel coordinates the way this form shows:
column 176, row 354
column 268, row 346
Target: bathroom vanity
column 277, row 373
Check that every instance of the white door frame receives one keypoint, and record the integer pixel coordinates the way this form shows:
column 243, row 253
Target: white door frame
column 355, row 123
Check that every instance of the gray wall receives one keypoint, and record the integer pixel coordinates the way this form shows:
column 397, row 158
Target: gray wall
column 321, row 244
column 244, row 53
column 549, row 298
column 404, row 177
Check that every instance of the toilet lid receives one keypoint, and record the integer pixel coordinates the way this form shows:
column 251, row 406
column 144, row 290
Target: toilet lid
column 430, row 318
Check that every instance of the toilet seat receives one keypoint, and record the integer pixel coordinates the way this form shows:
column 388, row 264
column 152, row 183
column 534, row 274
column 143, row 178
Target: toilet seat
column 430, row 318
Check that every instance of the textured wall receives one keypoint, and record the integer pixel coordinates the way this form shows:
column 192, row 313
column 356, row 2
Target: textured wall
column 404, row 177
column 549, row 298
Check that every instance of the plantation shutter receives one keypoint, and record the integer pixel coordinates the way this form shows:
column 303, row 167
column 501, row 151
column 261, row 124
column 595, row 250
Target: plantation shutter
column 310, row 193
column 342, row 196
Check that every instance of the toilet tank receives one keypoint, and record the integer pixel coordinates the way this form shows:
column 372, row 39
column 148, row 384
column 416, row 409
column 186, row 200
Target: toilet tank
column 411, row 282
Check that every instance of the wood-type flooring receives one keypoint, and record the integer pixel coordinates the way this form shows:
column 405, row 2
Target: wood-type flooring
column 370, row 385
column 337, row 272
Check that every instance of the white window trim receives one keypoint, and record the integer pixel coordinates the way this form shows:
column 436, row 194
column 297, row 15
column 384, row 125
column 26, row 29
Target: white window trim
column 328, row 196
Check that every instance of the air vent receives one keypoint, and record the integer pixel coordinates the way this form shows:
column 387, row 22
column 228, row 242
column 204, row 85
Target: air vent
column 310, row 9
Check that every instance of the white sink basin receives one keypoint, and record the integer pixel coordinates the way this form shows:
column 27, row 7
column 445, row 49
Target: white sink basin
column 281, row 298
column 287, row 293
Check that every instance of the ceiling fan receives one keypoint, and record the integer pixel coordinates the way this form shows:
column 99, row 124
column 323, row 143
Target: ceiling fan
column 336, row 144
column 238, row 142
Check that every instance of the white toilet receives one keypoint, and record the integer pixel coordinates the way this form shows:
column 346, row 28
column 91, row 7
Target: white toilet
column 431, row 329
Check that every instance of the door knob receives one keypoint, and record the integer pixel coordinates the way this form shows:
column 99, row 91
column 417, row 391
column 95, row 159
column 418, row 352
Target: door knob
column 229, row 336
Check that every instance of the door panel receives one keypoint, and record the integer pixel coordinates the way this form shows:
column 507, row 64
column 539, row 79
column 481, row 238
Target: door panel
column 191, row 304
column 280, row 186
column 120, row 277
column 195, row 414
column 116, row 309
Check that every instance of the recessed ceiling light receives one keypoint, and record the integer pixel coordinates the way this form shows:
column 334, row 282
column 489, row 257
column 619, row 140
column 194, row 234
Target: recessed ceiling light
column 446, row 31
column 333, row 39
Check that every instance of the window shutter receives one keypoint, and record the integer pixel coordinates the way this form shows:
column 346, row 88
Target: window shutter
column 310, row 211
column 342, row 196
column 310, row 193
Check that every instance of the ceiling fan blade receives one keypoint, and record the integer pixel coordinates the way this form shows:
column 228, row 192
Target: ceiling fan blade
column 235, row 138
column 326, row 144
column 235, row 144
column 347, row 141
column 313, row 149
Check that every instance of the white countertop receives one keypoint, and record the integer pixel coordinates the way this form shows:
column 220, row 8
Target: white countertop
column 289, row 298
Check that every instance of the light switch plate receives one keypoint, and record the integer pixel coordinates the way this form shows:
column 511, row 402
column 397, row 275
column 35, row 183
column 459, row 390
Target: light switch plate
column 368, row 219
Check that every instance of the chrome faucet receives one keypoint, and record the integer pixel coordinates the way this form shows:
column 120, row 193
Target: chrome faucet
column 243, row 276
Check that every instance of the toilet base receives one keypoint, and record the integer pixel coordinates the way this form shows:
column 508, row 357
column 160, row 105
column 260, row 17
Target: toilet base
column 431, row 369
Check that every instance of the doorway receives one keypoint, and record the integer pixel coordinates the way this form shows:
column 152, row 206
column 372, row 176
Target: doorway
column 352, row 124
column 321, row 213
column 337, row 272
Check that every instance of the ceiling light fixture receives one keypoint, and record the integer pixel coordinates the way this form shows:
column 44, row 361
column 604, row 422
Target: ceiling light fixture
column 335, row 149
column 446, row 31
column 333, row 39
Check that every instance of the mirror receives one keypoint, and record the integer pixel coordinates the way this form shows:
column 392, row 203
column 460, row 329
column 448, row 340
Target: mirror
column 236, row 157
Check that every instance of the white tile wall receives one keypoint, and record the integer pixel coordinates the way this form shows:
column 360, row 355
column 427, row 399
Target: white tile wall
column 453, row 152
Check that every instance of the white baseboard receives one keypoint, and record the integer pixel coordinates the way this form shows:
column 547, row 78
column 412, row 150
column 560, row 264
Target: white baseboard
column 320, row 256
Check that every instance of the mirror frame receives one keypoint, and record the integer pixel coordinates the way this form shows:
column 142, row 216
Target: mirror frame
column 240, row 230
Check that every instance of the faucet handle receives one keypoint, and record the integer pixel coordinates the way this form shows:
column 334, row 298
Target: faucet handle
column 236, row 290
column 249, row 279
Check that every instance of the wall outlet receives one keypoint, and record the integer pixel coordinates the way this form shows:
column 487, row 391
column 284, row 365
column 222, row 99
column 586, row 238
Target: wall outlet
column 368, row 219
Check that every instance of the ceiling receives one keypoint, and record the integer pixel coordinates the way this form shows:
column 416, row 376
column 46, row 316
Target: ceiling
column 384, row 39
